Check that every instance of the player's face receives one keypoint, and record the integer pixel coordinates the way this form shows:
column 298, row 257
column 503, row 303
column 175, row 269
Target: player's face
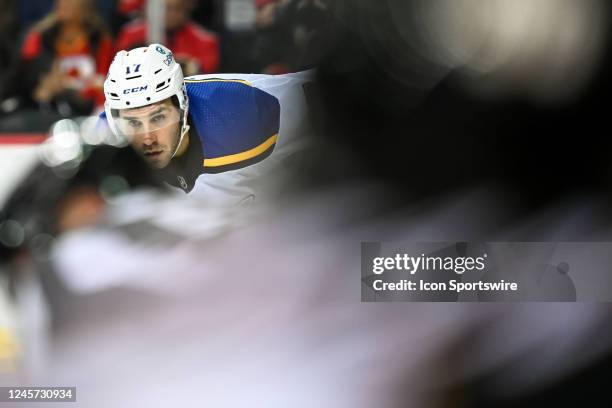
column 153, row 131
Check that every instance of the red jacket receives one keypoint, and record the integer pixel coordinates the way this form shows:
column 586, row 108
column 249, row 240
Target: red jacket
column 191, row 41
column 33, row 46
column 36, row 43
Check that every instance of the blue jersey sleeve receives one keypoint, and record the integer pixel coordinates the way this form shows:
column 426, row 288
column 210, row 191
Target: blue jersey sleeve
column 237, row 123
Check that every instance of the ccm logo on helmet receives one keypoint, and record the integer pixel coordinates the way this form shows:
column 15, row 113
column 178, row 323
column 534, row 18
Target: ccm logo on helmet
column 134, row 90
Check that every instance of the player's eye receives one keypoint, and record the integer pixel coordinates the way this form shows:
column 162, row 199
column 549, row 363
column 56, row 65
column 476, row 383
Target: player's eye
column 157, row 119
column 134, row 123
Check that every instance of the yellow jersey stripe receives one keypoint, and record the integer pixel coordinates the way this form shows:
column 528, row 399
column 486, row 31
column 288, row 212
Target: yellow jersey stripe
column 241, row 81
column 238, row 157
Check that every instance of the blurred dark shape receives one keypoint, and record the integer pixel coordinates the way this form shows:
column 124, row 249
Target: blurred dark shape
column 196, row 48
column 31, row 11
column 8, row 51
column 285, row 32
column 586, row 383
column 106, row 9
column 48, row 192
column 427, row 136
column 415, row 126
column 207, row 13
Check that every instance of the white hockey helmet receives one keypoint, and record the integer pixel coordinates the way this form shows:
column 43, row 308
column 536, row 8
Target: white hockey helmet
column 141, row 77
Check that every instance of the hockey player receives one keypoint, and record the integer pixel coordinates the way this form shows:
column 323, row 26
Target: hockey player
column 206, row 134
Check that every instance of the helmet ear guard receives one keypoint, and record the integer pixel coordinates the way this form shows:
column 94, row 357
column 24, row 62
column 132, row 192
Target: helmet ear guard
column 141, row 77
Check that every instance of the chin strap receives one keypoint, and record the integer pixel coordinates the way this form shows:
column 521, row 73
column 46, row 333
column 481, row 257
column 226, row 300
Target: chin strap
column 184, row 131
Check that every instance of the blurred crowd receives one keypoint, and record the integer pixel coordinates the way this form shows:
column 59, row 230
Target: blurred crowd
column 54, row 54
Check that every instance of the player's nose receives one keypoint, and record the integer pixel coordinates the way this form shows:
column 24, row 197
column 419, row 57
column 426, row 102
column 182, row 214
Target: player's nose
column 149, row 138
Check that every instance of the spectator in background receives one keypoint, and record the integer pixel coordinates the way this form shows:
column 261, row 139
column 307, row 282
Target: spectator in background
column 285, row 30
column 65, row 58
column 196, row 49
column 272, row 52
